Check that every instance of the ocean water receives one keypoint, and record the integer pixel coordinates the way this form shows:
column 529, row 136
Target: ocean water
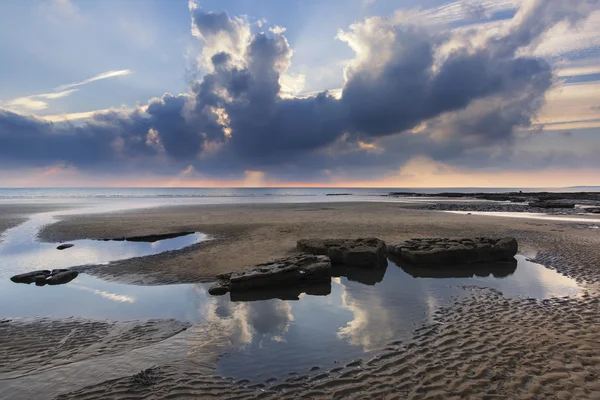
column 256, row 193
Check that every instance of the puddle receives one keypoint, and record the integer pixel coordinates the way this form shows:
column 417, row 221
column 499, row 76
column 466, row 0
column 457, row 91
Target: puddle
column 21, row 252
column 360, row 313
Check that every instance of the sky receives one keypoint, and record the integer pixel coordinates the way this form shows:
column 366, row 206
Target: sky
column 367, row 93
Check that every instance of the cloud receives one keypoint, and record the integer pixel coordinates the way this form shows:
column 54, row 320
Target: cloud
column 411, row 90
column 104, row 75
column 33, row 103
column 278, row 30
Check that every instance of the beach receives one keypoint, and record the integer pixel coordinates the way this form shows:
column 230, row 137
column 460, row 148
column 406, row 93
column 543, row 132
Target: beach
column 483, row 345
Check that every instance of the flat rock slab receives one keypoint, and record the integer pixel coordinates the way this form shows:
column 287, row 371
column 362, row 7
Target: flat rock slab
column 551, row 204
column 296, row 271
column 366, row 252
column 443, row 252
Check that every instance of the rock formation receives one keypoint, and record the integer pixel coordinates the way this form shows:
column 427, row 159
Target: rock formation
column 551, row 204
column 45, row 277
column 369, row 252
column 438, row 252
column 295, row 271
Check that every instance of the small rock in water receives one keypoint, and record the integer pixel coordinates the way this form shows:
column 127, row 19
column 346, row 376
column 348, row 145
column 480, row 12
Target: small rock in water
column 45, row 277
column 29, row 277
column 62, row 277
column 64, row 246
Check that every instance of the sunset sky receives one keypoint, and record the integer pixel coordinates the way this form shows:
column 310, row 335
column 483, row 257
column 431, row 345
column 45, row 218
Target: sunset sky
column 391, row 93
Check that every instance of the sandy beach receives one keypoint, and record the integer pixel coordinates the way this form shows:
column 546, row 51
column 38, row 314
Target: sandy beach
column 483, row 346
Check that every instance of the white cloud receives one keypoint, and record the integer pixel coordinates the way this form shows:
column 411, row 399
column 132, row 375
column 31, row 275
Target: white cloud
column 278, row 30
column 104, row 75
column 33, row 102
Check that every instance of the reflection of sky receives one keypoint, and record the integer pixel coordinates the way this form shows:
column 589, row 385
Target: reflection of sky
column 21, row 252
column 280, row 336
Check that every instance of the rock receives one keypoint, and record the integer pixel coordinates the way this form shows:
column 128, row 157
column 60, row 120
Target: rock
column 64, row 246
column 45, row 277
column 551, row 204
column 56, row 271
column 296, row 271
column 369, row 252
column 219, row 288
column 62, row 277
column 40, row 280
column 29, row 277
column 157, row 237
column 593, row 210
column 438, row 252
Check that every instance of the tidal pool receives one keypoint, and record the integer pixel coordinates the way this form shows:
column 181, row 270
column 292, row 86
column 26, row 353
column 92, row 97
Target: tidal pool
column 358, row 314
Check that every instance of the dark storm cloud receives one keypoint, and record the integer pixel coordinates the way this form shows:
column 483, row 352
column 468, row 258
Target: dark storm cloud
column 470, row 100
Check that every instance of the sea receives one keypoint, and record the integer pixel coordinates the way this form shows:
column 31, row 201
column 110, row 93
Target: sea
column 251, row 194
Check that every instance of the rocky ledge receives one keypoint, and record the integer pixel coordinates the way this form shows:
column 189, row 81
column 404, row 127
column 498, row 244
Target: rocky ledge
column 296, row 271
column 368, row 252
column 439, row 252
column 551, row 204
column 46, row 277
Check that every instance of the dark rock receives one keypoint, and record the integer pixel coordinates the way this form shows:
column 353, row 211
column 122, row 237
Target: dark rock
column 593, row 210
column 219, row 288
column 56, row 271
column 437, row 252
column 62, row 277
column 29, row 277
column 296, row 271
column 40, row 280
column 369, row 252
column 64, row 246
column 551, row 204
column 156, row 237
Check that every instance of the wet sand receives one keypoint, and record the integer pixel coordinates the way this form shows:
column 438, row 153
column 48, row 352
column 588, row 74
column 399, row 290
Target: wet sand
column 245, row 235
column 484, row 346
column 12, row 215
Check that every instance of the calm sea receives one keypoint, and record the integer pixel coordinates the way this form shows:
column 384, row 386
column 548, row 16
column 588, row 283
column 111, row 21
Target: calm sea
column 132, row 193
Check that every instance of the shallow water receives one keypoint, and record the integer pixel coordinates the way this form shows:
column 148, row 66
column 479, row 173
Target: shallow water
column 20, row 251
column 547, row 217
column 354, row 317
column 364, row 311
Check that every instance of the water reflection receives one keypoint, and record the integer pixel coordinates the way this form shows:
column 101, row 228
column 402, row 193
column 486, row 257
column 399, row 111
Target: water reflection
column 365, row 276
column 21, row 252
column 284, row 293
column 497, row 270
